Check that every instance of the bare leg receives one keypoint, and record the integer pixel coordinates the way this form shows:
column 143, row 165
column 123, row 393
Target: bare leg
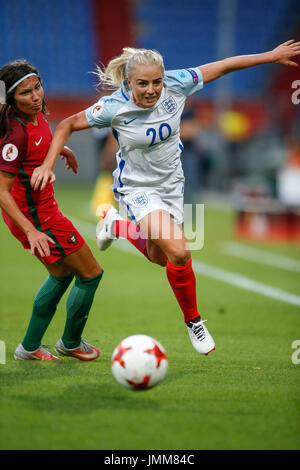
column 166, row 240
column 167, row 246
column 81, row 263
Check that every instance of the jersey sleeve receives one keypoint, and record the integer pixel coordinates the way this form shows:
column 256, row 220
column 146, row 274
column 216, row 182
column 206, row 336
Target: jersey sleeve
column 102, row 113
column 185, row 81
column 13, row 150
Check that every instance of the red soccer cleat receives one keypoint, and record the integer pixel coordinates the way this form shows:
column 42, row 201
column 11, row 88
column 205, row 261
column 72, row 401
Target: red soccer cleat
column 40, row 354
column 84, row 352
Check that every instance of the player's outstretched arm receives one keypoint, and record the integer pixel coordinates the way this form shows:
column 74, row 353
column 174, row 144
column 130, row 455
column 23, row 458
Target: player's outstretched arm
column 42, row 174
column 282, row 54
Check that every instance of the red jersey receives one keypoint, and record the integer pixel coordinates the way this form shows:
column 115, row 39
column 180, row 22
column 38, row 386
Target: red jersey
column 21, row 151
column 24, row 149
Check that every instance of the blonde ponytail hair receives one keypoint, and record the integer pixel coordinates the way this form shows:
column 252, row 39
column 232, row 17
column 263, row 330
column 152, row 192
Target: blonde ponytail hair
column 120, row 67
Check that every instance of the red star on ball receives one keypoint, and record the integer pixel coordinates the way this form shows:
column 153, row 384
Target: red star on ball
column 119, row 354
column 160, row 355
column 140, row 385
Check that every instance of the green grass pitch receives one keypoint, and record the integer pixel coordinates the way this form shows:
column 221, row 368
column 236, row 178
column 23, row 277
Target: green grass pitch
column 244, row 395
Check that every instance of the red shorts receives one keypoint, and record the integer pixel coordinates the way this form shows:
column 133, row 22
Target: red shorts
column 61, row 230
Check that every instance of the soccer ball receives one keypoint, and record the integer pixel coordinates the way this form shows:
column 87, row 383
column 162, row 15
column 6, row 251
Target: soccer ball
column 139, row 362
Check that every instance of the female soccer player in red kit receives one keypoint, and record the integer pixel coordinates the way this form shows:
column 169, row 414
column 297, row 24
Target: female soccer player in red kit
column 145, row 114
column 35, row 220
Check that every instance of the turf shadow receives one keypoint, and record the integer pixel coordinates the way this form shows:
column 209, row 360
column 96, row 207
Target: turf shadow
column 86, row 398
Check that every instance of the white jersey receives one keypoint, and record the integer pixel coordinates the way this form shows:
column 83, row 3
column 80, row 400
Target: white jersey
column 149, row 139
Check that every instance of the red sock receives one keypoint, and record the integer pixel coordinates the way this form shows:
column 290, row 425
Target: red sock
column 183, row 282
column 127, row 229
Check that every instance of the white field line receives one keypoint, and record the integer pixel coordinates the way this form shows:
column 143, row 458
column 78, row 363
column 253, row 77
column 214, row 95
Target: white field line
column 204, row 269
column 245, row 283
column 257, row 255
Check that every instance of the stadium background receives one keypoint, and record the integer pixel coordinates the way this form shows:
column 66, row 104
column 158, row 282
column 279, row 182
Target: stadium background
column 247, row 131
column 248, row 124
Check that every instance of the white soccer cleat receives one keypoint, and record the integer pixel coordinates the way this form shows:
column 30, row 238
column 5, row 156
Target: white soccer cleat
column 200, row 337
column 104, row 230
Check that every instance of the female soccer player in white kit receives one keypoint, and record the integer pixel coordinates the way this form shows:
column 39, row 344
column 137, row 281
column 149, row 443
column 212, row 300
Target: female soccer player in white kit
column 144, row 114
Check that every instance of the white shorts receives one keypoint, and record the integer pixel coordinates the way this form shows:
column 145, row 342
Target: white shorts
column 140, row 202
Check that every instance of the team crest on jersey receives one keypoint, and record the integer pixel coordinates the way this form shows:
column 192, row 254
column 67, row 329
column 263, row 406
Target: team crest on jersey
column 72, row 238
column 169, row 105
column 140, row 200
column 9, row 152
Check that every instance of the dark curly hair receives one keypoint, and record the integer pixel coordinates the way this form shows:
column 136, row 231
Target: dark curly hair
column 10, row 74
